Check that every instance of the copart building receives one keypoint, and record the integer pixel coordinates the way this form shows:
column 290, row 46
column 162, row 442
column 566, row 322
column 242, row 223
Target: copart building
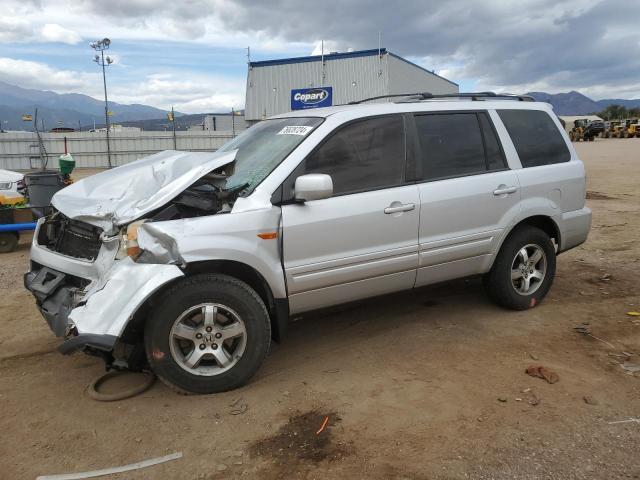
column 280, row 86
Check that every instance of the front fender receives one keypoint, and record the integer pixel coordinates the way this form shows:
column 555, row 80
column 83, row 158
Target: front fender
column 232, row 236
column 107, row 308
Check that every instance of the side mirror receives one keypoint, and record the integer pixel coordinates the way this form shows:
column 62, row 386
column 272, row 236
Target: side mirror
column 313, row 186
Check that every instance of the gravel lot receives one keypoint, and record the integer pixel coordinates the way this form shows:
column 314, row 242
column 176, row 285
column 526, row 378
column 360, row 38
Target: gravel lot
column 423, row 385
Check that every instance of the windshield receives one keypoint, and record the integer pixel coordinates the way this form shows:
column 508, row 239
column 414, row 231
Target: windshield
column 263, row 147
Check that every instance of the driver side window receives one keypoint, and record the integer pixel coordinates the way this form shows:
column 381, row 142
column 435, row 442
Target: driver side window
column 364, row 155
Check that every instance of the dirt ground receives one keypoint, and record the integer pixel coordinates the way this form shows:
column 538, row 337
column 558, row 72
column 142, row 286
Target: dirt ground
column 423, row 385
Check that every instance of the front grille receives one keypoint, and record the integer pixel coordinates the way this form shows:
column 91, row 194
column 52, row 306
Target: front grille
column 70, row 237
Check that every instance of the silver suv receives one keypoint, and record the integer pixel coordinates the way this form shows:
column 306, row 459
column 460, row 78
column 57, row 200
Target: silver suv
column 191, row 263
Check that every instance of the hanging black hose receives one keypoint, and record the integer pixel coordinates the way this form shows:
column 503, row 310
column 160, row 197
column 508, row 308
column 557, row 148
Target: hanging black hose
column 92, row 389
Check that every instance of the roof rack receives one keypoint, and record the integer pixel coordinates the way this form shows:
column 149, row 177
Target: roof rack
column 418, row 96
column 476, row 96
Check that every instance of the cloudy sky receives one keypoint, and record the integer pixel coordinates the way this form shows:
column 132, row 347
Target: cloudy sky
column 192, row 53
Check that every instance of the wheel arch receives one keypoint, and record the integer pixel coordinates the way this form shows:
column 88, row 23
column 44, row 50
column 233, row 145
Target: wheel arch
column 543, row 222
column 278, row 308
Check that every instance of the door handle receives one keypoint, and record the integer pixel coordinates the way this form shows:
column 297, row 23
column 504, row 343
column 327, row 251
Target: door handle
column 407, row 207
column 504, row 190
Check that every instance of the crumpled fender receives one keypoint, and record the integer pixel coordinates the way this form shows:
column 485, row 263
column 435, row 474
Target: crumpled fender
column 230, row 237
column 107, row 308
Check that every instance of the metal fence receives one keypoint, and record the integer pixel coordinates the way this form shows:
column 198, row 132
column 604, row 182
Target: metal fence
column 20, row 151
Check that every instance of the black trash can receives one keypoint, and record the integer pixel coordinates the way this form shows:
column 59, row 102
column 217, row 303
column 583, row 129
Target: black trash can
column 41, row 186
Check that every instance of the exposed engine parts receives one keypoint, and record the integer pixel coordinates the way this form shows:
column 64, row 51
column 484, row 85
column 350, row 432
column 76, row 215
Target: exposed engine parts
column 205, row 197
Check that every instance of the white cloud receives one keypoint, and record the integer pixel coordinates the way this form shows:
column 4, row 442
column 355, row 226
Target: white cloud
column 551, row 45
column 27, row 74
column 12, row 29
column 52, row 32
column 195, row 94
column 325, row 46
column 188, row 94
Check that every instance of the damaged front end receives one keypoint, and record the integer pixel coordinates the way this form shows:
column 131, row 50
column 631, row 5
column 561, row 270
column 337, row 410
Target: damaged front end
column 85, row 290
column 87, row 273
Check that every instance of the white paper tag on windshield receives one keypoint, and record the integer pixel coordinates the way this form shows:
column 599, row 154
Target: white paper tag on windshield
column 295, row 130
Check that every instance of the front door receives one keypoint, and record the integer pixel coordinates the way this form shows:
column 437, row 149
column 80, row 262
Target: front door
column 363, row 241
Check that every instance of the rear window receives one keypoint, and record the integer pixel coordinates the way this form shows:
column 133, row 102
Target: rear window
column 535, row 136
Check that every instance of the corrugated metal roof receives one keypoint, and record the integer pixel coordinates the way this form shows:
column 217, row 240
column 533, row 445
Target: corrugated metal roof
column 338, row 56
column 318, row 58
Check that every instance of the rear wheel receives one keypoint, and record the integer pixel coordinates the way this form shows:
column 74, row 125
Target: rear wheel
column 8, row 241
column 210, row 334
column 524, row 269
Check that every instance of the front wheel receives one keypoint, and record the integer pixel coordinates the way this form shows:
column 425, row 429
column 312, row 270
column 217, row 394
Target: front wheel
column 524, row 269
column 210, row 334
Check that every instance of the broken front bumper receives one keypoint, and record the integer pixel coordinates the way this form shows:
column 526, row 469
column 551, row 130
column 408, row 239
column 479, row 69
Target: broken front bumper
column 56, row 296
column 90, row 303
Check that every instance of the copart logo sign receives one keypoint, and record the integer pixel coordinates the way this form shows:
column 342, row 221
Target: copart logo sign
column 311, row 98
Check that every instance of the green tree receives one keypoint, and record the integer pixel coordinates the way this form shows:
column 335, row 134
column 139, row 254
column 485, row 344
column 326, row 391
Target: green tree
column 634, row 112
column 614, row 112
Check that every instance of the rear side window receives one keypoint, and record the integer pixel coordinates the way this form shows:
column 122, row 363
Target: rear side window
column 457, row 144
column 366, row 155
column 535, row 136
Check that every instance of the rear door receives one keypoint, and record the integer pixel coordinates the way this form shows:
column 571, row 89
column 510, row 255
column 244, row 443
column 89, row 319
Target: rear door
column 363, row 240
column 468, row 195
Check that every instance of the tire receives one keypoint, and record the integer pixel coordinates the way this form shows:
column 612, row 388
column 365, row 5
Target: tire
column 8, row 242
column 172, row 342
column 500, row 286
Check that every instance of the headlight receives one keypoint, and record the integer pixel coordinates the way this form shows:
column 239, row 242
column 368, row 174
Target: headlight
column 129, row 243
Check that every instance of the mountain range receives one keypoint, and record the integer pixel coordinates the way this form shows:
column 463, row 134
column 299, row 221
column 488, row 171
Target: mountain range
column 575, row 103
column 73, row 109
column 64, row 109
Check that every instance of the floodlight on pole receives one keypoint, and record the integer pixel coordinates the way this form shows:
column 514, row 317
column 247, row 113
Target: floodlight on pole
column 100, row 59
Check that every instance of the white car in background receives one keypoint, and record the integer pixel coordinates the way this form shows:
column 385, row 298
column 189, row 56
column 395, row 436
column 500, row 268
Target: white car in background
column 9, row 185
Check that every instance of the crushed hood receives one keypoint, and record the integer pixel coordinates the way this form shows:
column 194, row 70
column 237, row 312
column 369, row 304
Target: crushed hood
column 119, row 196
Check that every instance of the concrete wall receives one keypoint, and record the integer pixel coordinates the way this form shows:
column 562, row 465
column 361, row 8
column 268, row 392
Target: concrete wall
column 19, row 150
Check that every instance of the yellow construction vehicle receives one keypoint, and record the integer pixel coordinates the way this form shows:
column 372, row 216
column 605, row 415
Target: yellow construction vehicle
column 632, row 129
column 614, row 129
column 583, row 130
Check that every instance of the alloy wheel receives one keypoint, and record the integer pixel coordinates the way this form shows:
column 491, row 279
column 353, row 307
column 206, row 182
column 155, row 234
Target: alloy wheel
column 208, row 339
column 528, row 269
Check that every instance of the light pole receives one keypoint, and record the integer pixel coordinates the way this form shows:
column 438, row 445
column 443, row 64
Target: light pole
column 101, row 46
